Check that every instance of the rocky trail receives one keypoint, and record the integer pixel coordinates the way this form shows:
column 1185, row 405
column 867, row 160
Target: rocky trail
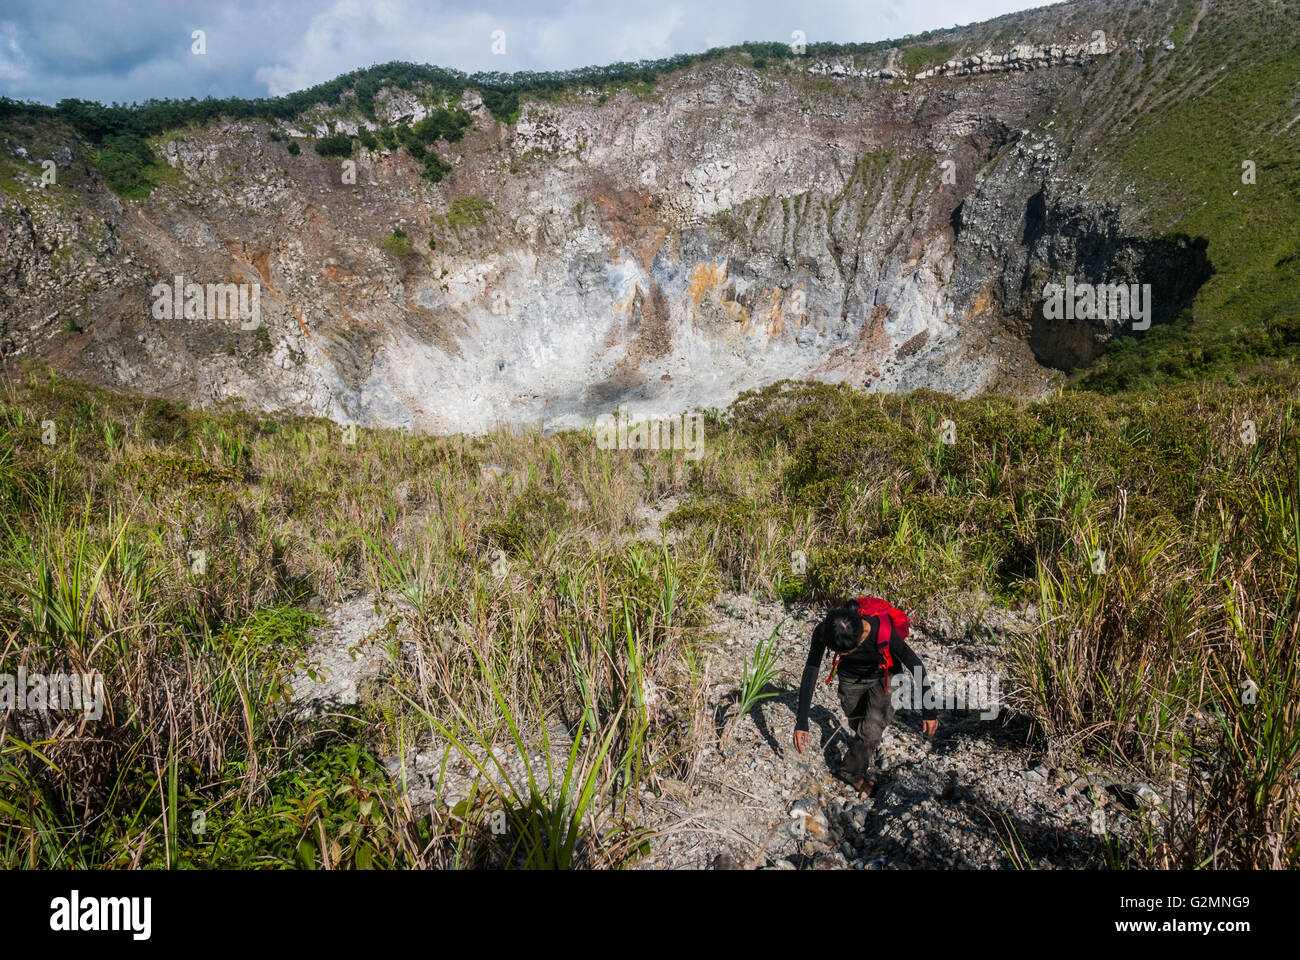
column 978, row 796
column 982, row 794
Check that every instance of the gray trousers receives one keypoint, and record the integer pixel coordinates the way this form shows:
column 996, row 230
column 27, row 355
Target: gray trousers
column 869, row 711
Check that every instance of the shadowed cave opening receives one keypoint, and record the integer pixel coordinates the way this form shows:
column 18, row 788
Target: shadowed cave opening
column 1090, row 247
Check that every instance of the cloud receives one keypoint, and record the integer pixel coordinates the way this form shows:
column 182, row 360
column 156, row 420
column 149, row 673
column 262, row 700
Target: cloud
column 13, row 64
column 99, row 51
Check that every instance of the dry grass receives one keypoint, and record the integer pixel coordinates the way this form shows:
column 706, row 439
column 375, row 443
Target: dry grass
column 521, row 606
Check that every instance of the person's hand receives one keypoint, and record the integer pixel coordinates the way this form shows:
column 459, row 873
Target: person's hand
column 800, row 740
column 929, row 728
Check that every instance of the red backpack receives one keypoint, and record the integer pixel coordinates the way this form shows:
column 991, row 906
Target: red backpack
column 891, row 620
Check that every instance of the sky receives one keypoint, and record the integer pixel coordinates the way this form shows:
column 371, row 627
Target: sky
column 121, row 52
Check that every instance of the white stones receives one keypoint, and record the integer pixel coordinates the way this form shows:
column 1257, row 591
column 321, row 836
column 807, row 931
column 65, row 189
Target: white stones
column 334, row 676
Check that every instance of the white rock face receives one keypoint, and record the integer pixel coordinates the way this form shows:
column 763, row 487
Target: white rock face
column 1023, row 56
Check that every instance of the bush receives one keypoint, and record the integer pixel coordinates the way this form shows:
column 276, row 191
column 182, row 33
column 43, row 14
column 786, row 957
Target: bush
column 126, row 162
column 396, row 243
column 435, row 168
column 335, row 145
column 466, row 213
column 503, row 104
column 406, row 136
column 442, row 124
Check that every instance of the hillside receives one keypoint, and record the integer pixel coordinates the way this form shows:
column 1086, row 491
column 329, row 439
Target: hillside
column 370, row 578
column 516, row 650
column 673, row 234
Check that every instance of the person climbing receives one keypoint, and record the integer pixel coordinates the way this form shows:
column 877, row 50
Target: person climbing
column 868, row 640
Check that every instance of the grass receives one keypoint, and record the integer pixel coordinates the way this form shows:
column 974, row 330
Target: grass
column 544, row 821
column 519, row 607
column 396, row 243
column 468, row 212
column 756, row 674
column 922, row 56
column 95, row 574
column 1220, row 100
column 585, row 649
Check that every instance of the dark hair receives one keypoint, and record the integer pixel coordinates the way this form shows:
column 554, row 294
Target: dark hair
column 843, row 629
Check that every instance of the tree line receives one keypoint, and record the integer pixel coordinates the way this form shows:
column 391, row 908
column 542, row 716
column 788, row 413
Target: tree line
column 500, row 91
column 119, row 131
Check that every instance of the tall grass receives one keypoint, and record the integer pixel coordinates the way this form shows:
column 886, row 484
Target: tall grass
column 757, row 673
column 524, row 618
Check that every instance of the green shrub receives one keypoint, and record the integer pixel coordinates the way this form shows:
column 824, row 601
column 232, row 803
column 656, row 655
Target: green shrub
column 503, row 104
column 531, row 517
column 396, row 243
column 435, row 168
column 442, row 124
column 467, row 213
column 126, row 162
column 335, row 145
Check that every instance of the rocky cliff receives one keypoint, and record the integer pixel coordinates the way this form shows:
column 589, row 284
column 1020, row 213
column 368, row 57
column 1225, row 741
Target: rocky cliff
column 887, row 219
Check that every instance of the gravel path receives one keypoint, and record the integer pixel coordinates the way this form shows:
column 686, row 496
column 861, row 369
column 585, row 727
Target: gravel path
column 977, row 797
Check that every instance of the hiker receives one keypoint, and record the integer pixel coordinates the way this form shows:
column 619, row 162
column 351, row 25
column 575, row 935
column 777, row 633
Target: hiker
column 869, row 646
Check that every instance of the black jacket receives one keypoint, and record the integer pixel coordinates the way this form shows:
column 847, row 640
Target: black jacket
column 861, row 665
